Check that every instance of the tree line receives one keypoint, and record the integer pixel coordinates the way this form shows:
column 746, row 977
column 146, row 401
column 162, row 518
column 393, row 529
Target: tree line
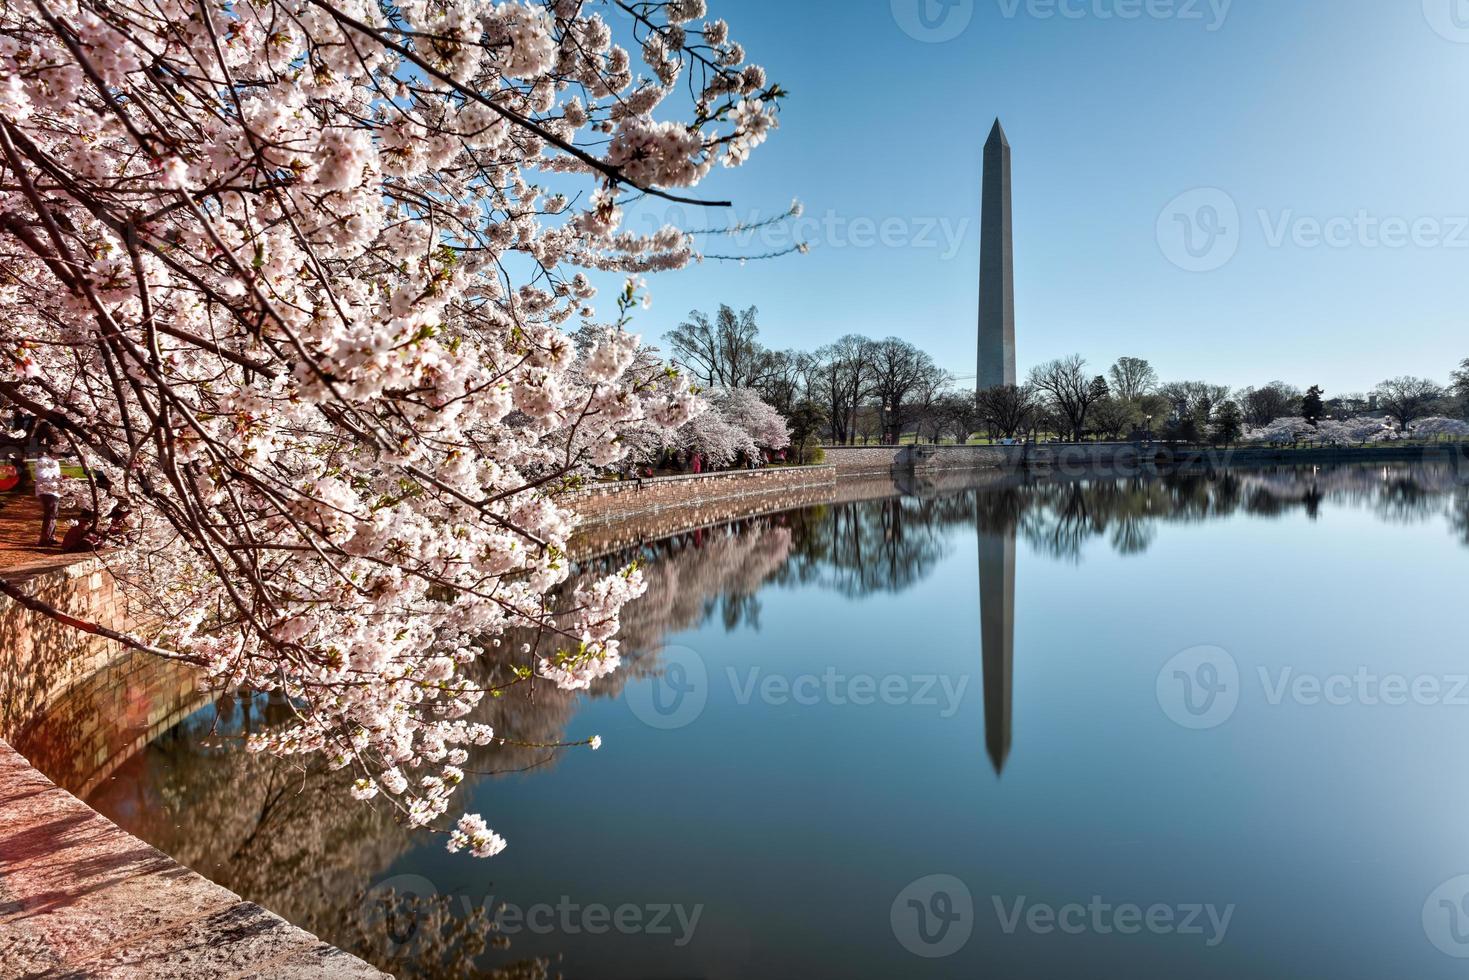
column 862, row 390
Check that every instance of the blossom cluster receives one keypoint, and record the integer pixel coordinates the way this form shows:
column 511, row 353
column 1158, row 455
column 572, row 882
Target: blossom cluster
column 298, row 276
column 1353, row 431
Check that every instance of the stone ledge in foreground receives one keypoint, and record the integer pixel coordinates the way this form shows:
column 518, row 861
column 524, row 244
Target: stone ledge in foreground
column 80, row 897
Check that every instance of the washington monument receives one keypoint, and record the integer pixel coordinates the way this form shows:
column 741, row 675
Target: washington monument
column 996, row 268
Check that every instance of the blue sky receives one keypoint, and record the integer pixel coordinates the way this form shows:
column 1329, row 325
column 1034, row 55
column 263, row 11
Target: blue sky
column 1337, row 130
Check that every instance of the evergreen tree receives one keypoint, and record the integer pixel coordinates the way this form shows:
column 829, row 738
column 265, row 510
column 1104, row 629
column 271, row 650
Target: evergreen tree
column 1312, row 407
column 1228, row 423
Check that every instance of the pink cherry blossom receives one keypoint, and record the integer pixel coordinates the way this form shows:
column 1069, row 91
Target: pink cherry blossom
column 301, row 277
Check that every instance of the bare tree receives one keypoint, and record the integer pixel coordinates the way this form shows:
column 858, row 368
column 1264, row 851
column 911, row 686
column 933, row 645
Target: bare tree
column 1459, row 387
column 1112, row 415
column 958, row 414
column 933, row 388
column 1408, row 399
column 1008, row 410
column 1195, row 399
column 1132, row 378
column 898, row 371
column 1265, row 404
column 786, row 380
column 1070, row 391
column 724, row 353
column 842, row 379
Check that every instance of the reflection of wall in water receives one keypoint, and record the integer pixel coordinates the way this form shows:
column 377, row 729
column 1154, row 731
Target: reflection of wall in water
column 101, row 722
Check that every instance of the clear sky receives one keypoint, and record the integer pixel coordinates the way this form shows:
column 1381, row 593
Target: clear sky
column 1337, row 129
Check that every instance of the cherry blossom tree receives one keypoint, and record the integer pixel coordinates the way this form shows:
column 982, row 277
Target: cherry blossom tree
column 285, row 270
column 1439, row 427
column 714, row 439
column 1353, row 431
column 746, row 410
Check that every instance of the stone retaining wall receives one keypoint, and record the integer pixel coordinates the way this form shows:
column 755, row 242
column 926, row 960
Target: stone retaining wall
column 863, row 459
column 104, row 720
column 610, row 501
column 619, row 515
column 1103, row 458
column 79, row 896
column 883, row 459
column 39, row 657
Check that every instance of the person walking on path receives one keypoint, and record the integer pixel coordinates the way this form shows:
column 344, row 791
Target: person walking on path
column 48, row 486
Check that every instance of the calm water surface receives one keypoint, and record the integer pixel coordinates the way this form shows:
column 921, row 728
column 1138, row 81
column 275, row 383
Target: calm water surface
column 1193, row 726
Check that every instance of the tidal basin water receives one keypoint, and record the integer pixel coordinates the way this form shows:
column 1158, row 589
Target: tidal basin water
column 1198, row 725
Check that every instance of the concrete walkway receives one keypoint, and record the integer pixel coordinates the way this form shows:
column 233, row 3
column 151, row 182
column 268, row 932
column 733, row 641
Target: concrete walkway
column 80, row 897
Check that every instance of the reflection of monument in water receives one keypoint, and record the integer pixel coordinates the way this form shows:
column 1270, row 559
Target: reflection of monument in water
column 997, row 515
column 997, row 637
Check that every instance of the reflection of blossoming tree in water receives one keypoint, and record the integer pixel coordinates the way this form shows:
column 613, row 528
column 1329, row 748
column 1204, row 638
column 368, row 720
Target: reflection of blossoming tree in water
column 275, row 831
column 278, row 834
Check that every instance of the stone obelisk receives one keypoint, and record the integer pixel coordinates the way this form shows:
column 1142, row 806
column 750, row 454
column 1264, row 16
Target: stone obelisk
column 996, row 268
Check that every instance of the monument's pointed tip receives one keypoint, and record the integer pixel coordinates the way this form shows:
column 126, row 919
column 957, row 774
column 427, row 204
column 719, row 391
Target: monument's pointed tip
column 998, row 133
column 999, row 755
